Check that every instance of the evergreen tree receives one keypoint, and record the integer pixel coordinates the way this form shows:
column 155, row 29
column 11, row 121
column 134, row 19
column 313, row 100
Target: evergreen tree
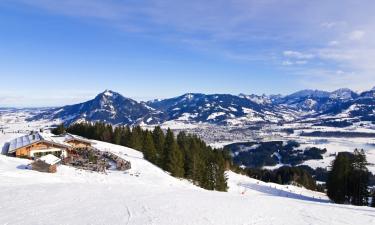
column 117, row 135
column 359, row 178
column 159, row 138
column 60, row 129
column 174, row 161
column 149, row 147
column 136, row 138
column 348, row 179
column 373, row 198
column 107, row 133
column 125, row 136
column 338, row 178
column 220, row 178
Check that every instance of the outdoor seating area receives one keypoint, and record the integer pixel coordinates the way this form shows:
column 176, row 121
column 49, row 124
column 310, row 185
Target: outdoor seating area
column 95, row 160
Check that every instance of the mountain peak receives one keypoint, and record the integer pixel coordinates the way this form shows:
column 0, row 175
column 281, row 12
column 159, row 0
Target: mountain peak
column 108, row 93
column 342, row 93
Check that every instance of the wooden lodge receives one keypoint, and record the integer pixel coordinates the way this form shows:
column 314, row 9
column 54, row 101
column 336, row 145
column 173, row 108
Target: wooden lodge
column 36, row 145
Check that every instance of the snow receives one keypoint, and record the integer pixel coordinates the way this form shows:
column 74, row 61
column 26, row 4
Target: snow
column 214, row 115
column 108, row 93
column 247, row 110
column 187, row 116
column 342, row 93
column 50, row 159
column 148, row 195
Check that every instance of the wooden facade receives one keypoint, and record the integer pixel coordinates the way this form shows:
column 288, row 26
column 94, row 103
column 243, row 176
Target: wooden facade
column 36, row 146
column 41, row 146
column 43, row 167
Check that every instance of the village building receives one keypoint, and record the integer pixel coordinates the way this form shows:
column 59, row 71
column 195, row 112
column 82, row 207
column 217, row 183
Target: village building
column 37, row 144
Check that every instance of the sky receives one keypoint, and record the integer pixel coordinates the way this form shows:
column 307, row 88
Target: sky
column 55, row 52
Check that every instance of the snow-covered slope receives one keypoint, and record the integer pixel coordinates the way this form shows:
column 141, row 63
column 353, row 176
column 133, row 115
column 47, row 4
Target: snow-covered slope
column 148, row 195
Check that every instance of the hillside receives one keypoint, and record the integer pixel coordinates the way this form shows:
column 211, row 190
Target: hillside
column 148, row 195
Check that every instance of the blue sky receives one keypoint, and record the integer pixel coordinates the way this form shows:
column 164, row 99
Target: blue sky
column 62, row 52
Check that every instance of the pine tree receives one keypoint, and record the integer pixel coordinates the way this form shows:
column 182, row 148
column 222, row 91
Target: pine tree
column 117, row 135
column 136, row 138
column 348, row 179
column 359, row 177
column 125, row 136
column 149, row 147
column 174, row 160
column 107, row 133
column 373, row 199
column 220, row 178
column 338, row 179
column 60, row 129
column 159, row 139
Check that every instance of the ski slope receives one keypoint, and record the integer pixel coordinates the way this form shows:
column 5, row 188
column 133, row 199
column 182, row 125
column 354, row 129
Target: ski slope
column 148, row 195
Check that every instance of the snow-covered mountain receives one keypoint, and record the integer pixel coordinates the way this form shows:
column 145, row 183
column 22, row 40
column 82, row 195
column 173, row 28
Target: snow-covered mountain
column 216, row 108
column 221, row 109
column 108, row 106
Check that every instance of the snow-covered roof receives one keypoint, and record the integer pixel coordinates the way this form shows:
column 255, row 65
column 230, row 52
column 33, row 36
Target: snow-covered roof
column 69, row 137
column 24, row 141
column 50, row 159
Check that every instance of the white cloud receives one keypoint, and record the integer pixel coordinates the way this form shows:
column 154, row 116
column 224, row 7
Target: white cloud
column 287, row 63
column 328, row 25
column 297, row 55
column 301, row 62
column 356, row 35
column 333, row 43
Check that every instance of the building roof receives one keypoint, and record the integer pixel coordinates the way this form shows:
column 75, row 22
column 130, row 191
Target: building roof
column 69, row 137
column 30, row 139
column 23, row 141
column 50, row 159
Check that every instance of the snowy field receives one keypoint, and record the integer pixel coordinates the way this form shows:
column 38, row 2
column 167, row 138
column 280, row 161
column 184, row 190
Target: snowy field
column 147, row 195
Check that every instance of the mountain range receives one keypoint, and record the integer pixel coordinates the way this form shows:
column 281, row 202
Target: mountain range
column 221, row 109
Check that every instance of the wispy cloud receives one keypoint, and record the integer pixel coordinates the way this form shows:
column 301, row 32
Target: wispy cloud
column 297, row 55
column 315, row 38
column 356, row 35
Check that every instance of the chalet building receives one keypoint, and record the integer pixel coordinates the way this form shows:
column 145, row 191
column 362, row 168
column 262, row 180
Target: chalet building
column 36, row 145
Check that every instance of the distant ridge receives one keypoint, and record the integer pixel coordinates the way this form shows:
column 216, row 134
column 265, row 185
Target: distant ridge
column 220, row 109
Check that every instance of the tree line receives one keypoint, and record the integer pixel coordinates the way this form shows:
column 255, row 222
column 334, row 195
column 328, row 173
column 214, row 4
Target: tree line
column 283, row 175
column 184, row 155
